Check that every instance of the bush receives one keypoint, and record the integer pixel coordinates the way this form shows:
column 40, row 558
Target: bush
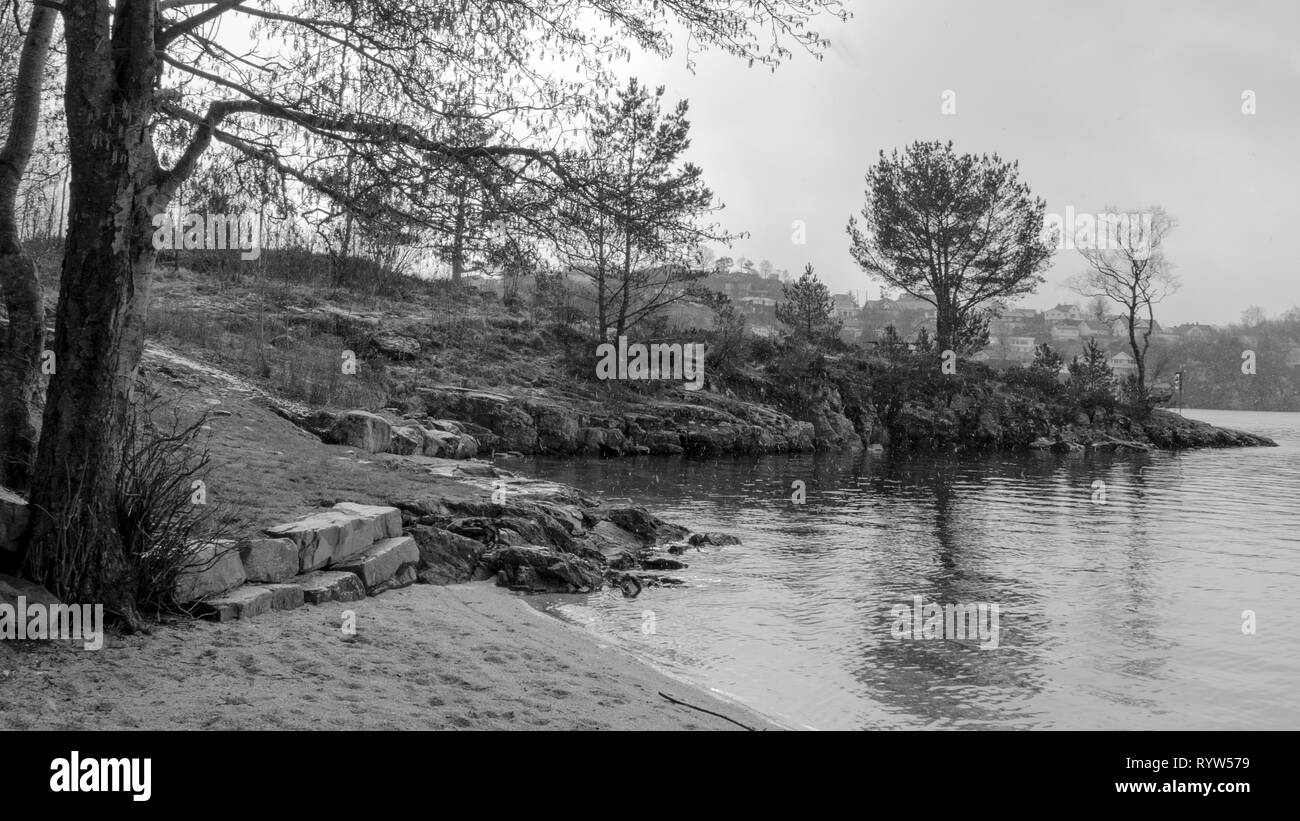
column 157, row 518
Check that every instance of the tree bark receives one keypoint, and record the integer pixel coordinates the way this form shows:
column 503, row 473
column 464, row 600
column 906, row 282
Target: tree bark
column 116, row 187
column 24, row 337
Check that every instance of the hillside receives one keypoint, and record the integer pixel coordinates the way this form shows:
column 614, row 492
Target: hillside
column 510, row 377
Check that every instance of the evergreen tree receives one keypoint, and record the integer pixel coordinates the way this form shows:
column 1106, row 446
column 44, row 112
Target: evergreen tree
column 1091, row 371
column 808, row 308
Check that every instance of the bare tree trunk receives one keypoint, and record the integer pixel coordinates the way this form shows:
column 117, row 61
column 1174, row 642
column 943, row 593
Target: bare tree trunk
column 116, row 187
column 24, row 338
column 458, row 237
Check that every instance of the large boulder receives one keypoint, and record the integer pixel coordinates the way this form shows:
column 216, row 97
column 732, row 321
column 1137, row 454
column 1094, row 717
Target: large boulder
column 598, row 441
column 542, row 570
column 515, row 428
column 210, row 569
column 407, row 440
column 12, row 588
column 359, row 429
column 449, row 444
column 395, row 345
column 558, row 431
column 445, row 557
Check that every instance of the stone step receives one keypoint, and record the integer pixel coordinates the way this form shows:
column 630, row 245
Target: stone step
column 381, row 562
column 330, row 585
column 211, row 569
column 339, row 533
column 251, row 600
column 405, row 577
column 269, row 560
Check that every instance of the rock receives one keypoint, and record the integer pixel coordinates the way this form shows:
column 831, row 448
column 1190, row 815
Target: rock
column 396, row 346
column 479, row 471
column 662, row 441
column 269, row 560
column 286, row 596
column 338, row 533
column 1042, row 443
column 445, row 557
column 542, row 570
column 243, row 603
column 388, row 519
column 613, row 541
column 515, row 429
column 211, row 569
column 558, row 431
column 636, row 520
column 714, row 539
column 603, row 442
column 330, row 585
column 13, row 519
column 660, row 563
column 363, row 430
column 12, row 587
column 405, row 576
column 381, row 561
column 406, row 440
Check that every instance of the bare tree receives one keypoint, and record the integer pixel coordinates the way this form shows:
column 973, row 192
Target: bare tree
column 1127, row 266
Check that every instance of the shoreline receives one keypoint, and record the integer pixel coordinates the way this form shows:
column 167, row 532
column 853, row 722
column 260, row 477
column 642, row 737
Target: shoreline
column 604, row 640
column 468, row 656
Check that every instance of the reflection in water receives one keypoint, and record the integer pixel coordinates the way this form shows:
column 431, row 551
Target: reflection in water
column 1125, row 614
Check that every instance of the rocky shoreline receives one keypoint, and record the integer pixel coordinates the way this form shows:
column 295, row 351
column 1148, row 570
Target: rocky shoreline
column 464, row 424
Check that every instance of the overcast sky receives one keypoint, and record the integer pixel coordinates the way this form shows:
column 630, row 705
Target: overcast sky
column 1103, row 103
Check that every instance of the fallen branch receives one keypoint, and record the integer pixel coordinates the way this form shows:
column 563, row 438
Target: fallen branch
column 702, row 710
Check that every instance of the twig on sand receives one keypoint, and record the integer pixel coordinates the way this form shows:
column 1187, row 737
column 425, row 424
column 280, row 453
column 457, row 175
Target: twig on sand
column 702, row 710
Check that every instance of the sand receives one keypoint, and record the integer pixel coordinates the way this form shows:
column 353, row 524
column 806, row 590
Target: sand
column 469, row 656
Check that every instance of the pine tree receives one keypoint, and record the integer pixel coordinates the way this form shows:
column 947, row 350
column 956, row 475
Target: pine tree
column 808, row 308
column 1047, row 360
column 1091, row 371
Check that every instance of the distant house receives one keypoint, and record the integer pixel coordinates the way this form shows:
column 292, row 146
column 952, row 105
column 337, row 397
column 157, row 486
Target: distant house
column 1060, row 332
column 1293, row 358
column 1123, row 364
column 1119, row 327
column 1063, row 313
column 845, row 308
column 1195, row 331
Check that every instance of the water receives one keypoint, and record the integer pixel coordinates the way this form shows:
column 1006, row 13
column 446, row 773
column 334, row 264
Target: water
column 1127, row 614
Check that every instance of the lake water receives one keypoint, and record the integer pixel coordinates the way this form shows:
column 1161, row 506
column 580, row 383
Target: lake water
column 1123, row 614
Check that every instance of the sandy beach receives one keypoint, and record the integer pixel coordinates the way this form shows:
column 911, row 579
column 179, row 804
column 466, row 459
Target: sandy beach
column 469, row 656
